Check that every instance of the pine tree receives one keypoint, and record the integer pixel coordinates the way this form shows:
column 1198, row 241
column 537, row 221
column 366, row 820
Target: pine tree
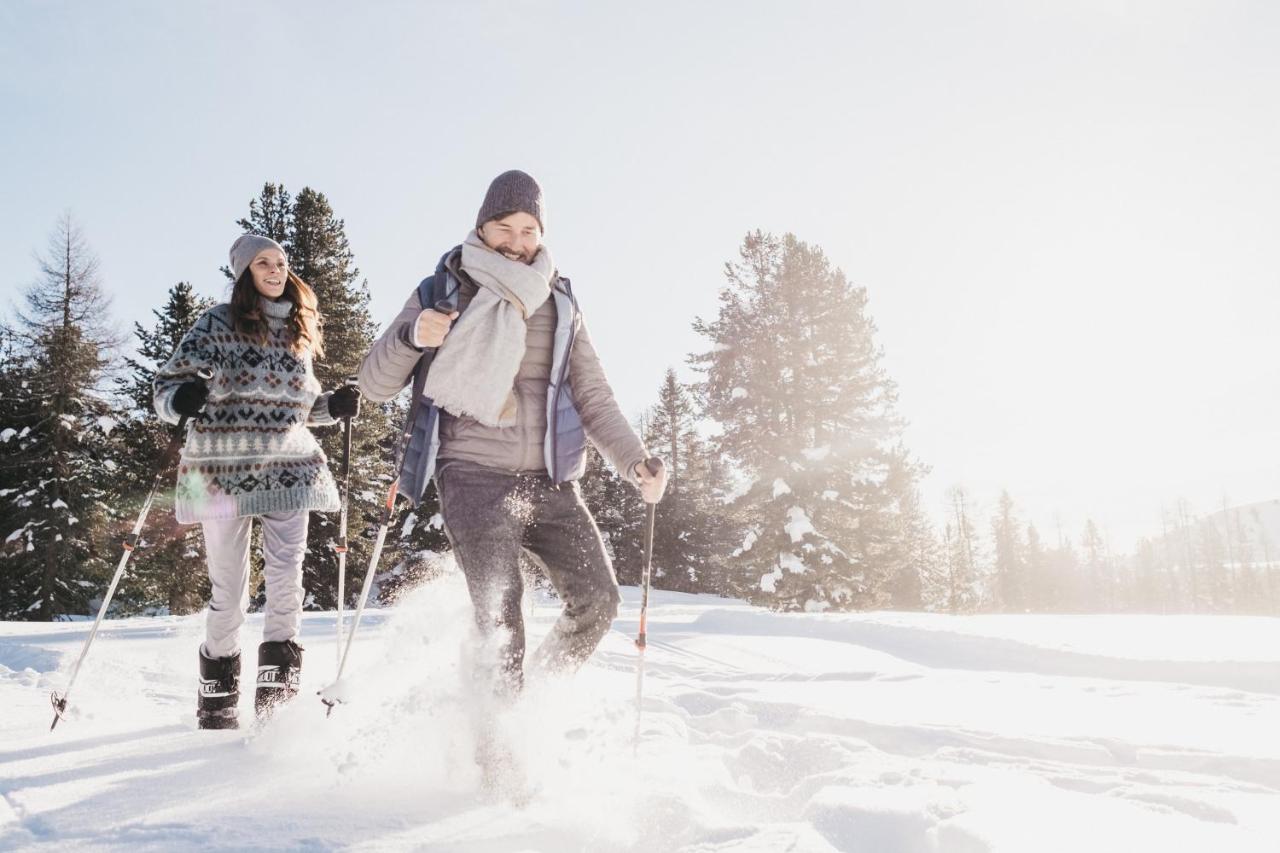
column 1039, row 591
column 1195, row 597
column 1097, row 592
column 63, row 463
column 18, row 587
column 167, row 570
column 1064, row 572
column 793, row 377
column 690, row 535
column 1010, row 566
column 965, row 581
column 917, row 578
column 619, row 513
column 1148, row 594
column 1211, row 555
column 320, row 254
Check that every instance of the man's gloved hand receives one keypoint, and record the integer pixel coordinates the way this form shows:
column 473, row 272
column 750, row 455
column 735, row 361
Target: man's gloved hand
column 190, row 397
column 345, row 402
column 653, row 483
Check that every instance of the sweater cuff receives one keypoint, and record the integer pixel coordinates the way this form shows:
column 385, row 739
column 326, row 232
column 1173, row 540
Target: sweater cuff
column 630, row 474
column 320, row 411
column 163, row 400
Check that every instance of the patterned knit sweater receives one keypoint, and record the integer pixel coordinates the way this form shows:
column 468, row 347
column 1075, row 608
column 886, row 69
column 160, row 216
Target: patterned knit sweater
column 250, row 451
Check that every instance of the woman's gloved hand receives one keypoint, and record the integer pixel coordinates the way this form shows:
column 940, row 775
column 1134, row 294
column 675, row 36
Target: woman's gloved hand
column 190, row 397
column 345, row 402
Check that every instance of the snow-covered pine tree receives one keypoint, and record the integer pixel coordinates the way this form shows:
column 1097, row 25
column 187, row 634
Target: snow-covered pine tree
column 62, row 464
column 691, row 536
column 17, row 419
column 917, row 577
column 167, row 569
column 793, row 376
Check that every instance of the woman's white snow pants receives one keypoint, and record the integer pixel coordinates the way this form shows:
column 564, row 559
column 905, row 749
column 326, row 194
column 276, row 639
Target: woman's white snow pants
column 284, row 544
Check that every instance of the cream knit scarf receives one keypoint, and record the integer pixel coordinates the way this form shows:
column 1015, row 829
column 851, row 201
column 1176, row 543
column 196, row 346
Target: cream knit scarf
column 474, row 371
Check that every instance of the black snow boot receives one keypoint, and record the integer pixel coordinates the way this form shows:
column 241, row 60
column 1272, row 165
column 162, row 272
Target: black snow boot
column 219, row 692
column 279, row 670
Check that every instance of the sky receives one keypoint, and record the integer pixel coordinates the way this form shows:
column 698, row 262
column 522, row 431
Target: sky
column 1066, row 215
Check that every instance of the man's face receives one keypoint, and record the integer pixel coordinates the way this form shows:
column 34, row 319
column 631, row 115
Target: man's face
column 515, row 236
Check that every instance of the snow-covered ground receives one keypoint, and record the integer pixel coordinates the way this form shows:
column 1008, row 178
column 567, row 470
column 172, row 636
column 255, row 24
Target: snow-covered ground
column 760, row 731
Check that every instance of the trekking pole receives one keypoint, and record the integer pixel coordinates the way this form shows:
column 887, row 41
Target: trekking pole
column 654, row 464
column 387, row 510
column 130, row 542
column 341, row 545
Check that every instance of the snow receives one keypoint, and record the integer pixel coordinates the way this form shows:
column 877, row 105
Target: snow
column 780, row 487
column 106, row 424
column 791, row 562
column 759, row 731
column 748, row 542
column 830, row 495
column 7, row 433
column 738, row 393
column 769, row 582
column 798, row 524
column 58, row 504
column 817, row 454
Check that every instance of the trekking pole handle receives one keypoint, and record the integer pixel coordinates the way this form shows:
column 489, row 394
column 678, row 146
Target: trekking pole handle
column 352, row 381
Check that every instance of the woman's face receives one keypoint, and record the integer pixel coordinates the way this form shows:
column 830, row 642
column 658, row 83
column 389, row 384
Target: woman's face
column 270, row 269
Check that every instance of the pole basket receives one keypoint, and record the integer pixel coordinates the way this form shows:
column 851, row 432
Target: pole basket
column 59, row 708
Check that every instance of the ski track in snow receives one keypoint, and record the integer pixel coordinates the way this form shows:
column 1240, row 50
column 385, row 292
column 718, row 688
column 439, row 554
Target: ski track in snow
column 759, row 731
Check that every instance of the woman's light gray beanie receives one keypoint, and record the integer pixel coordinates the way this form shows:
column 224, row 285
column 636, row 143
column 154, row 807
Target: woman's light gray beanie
column 510, row 192
column 246, row 248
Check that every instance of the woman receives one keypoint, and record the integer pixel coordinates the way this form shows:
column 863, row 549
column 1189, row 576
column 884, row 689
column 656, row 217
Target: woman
column 249, row 454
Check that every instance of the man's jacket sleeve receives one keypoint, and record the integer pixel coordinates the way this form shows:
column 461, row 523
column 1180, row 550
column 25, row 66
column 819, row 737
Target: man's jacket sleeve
column 390, row 363
column 602, row 418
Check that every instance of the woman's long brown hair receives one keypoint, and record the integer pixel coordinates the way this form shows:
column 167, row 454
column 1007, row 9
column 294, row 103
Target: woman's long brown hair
column 305, row 333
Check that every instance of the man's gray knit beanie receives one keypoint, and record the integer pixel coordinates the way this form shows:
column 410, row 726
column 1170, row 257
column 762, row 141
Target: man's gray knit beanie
column 246, row 248
column 510, row 192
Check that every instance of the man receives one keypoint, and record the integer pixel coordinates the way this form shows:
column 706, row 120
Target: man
column 511, row 390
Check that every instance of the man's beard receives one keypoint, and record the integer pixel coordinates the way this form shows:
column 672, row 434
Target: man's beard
column 512, row 255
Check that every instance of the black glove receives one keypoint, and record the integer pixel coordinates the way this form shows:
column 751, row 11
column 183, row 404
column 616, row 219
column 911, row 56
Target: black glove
column 190, row 397
column 345, row 402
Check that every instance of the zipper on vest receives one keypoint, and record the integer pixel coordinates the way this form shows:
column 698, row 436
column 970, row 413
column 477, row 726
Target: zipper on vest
column 555, row 401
